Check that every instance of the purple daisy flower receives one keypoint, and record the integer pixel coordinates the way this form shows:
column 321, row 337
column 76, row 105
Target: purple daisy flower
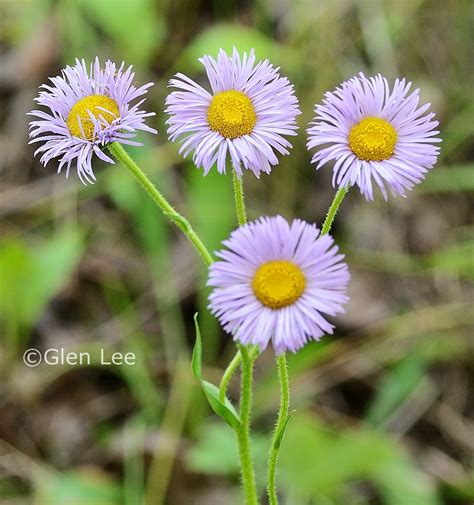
column 375, row 134
column 88, row 110
column 277, row 281
column 249, row 111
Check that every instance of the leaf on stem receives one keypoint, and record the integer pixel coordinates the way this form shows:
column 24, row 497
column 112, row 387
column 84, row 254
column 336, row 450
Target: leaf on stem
column 281, row 432
column 179, row 220
column 225, row 409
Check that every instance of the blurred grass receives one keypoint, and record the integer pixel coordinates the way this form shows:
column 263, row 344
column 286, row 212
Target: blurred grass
column 382, row 408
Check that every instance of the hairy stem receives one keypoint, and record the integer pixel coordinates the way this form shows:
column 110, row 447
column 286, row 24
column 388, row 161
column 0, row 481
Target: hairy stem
column 241, row 219
column 243, row 433
column 247, row 358
column 280, row 425
column 239, row 199
column 181, row 222
column 333, row 209
column 229, row 372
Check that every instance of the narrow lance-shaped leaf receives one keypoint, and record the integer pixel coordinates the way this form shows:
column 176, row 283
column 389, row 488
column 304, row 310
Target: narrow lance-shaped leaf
column 196, row 359
column 225, row 409
column 281, row 432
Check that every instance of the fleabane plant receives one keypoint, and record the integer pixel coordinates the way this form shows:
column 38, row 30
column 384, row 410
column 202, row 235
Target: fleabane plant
column 275, row 283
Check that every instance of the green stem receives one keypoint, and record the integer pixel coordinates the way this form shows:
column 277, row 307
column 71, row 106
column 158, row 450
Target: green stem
column 247, row 355
column 239, row 198
column 181, row 222
column 280, row 425
column 333, row 210
column 241, row 219
column 229, row 372
column 243, row 433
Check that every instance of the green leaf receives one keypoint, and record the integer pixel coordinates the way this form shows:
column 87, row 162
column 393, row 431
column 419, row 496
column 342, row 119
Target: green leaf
column 196, row 359
column 224, row 410
column 226, row 36
column 32, row 275
column 454, row 260
column 133, row 460
column 396, row 387
column 281, row 432
column 401, row 483
column 119, row 21
column 348, row 456
column 91, row 487
column 460, row 489
column 458, row 130
column 216, row 452
column 342, row 458
column 448, row 179
column 457, row 260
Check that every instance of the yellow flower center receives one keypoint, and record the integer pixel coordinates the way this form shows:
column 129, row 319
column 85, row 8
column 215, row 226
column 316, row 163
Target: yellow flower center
column 96, row 105
column 278, row 284
column 373, row 139
column 231, row 113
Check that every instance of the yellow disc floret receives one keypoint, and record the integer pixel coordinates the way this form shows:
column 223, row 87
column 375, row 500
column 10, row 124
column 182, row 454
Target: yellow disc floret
column 278, row 284
column 231, row 113
column 373, row 139
column 96, row 105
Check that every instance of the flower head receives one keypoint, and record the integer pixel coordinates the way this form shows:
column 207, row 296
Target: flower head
column 246, row 116
column 276, row 281
column 88, row 110
column 375, row 134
